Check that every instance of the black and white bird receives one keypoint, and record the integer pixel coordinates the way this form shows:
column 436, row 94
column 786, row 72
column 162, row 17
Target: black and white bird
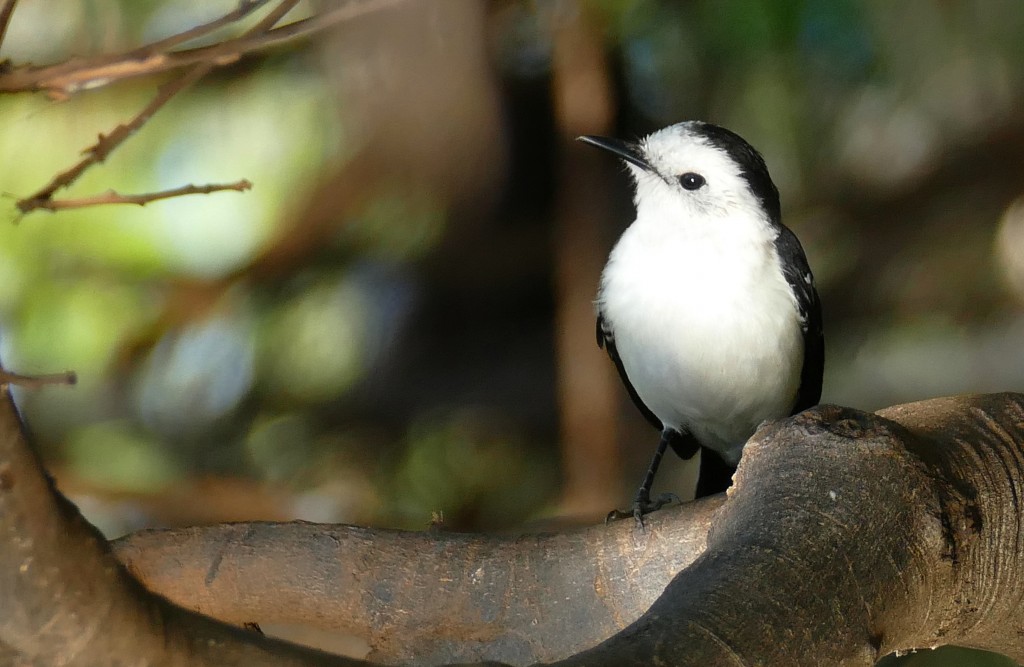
column 707, row 304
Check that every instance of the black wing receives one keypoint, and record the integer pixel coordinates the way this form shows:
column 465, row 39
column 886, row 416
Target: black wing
column 605, row 340
column 801, row 281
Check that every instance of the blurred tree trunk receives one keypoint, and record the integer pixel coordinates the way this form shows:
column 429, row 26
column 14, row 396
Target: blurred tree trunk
column 587, row 394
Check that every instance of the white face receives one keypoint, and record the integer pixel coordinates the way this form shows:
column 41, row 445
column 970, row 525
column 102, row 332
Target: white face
column 679, row 157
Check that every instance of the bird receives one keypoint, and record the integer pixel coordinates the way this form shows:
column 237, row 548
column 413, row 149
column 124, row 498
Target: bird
column 707, row 305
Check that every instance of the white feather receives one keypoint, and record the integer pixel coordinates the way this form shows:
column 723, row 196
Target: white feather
column 702, row 317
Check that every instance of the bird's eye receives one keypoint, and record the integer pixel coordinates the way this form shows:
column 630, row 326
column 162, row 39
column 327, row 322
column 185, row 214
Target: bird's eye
column 692, row 181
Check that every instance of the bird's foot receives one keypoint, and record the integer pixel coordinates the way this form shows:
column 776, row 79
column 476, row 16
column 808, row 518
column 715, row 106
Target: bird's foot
column 642, row 505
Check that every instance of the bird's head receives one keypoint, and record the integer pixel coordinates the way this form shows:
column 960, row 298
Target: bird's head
column 696, row 169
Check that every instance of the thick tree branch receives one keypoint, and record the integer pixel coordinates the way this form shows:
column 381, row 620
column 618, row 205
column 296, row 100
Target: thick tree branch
column 429, row 596
column 67, row 601
column 846, row 536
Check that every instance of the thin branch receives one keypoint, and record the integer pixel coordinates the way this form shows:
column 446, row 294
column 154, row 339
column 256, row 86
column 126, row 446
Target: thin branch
column 5, row 17
column 66, row 78
column 106, row 144
column 271, row 19
column 245, row 7
column 36, row 381
column 112, row 197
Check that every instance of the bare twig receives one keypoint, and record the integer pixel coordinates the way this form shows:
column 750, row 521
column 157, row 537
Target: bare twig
column 271, row 19
column 5, row 17
column 99, row 151
column 245, row 7
column 106, row 144
column 69, row 77
column 36, row 381
column 112, row 197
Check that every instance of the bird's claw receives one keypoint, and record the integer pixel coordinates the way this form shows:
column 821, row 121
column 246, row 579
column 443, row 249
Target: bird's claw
column 641, row 506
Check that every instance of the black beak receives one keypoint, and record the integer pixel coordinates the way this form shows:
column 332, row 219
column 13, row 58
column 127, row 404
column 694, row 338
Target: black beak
column 628, row 151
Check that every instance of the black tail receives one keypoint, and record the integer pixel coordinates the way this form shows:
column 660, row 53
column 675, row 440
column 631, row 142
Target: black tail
column 715, row 474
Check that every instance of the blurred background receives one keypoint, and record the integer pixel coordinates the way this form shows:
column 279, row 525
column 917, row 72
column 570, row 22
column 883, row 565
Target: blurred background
column 396, row 323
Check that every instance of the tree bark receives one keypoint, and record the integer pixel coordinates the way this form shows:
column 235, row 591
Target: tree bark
column 431, row 597
column 845, row 536
column 65, row 600
column 848, row 536
column 588, row 391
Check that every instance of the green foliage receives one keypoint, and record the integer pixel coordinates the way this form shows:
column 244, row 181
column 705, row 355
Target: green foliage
column 465, row 466
column 117, row 456
column 313, row 346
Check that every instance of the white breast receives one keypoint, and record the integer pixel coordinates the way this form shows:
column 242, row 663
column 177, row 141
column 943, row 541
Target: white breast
column 706, row 326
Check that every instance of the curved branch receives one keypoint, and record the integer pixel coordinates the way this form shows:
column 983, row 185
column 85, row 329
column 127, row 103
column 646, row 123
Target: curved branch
column 67, row 601
column 846, row 536
column 432, row 596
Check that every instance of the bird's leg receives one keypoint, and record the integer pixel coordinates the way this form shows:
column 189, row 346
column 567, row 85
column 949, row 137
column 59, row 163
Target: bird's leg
column 642, row 504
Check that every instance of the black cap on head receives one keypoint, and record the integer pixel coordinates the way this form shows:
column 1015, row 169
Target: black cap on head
column 752, row 166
